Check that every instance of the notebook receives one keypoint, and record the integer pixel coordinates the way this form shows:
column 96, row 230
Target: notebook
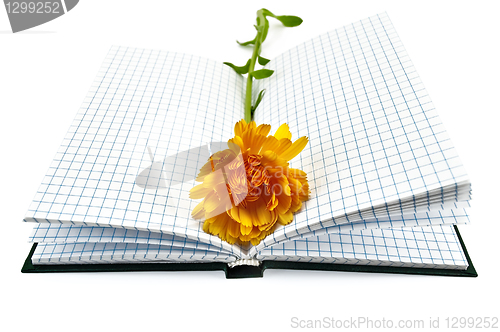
column 387, row 186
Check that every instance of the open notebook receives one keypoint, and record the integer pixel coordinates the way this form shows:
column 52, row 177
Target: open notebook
column 387, row 186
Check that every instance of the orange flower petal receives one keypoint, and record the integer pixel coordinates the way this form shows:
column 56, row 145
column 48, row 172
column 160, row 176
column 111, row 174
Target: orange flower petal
column 253, row 234
column 296, row 203
column 236, row 140
column 285, row 143
column 241, row 215
column 240, row 127
column 270, row 143
column 273, row 202
column 284, row 203
column 198, row 211
column 285, row 218
column 297, row 173
column 295, row 148
column 283, row 132
column 263, row 214
column 270, row 158
column 233, row 228
column 199, row 191
column 245, row 230
column 213, row 179
column 218, row 226
column 214, row 205
column 263, row 129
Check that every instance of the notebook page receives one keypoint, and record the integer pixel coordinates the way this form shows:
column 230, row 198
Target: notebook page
column 65, row 233
column 102, row 253
column 405, row 221
column 144, row 107
column 375, row 138
column 421, row 247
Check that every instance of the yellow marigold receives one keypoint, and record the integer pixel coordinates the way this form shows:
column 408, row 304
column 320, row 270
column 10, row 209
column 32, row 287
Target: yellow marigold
column 249, row 187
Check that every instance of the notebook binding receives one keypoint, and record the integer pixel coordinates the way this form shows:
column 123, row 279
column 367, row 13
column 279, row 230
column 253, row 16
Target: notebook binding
column 245, row 261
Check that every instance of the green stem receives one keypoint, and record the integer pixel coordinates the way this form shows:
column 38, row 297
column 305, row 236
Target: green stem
column 256, row 52
column 262, row 29
column 248, row 100
column 248, row 94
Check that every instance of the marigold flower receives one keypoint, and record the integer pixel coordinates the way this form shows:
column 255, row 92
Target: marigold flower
column 248, row 188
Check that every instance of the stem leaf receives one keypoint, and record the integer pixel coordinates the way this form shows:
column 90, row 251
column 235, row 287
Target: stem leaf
column 259, row 99
column 240, row 70
column 261, row 73
column 250, row 42
column 286, row 20
column 263, row 61
column 289, row 21
column 265, row 29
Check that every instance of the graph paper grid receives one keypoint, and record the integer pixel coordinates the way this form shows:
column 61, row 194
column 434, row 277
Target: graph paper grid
column 145, row 106
column 378, row 160
column 64, row 233
column 376, row 142
column 423, row 247
column 112, row 252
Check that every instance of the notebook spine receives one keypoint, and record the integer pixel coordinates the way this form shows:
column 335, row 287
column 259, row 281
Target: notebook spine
column 245, row 261
column 245, row 268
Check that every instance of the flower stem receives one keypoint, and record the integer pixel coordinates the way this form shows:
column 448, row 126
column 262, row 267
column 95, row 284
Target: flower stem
column 248, row 100
column 248, row 94
column 262, row 29
column 256, row 52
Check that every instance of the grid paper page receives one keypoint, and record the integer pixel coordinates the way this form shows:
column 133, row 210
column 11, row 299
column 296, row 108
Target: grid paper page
column 405, row 221
column 423, row 247
column 64, row 233
column 376, row 142
column 100, row 253
column 450, row 213
column 144, row 106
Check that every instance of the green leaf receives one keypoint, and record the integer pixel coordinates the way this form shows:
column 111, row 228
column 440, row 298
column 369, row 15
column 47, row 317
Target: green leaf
column 265, row 29
column 240, row 70
column 263, row 61
column 259, row 99
column 267, row 12
column 250, row 42
column 262, row 73
column 289, row 21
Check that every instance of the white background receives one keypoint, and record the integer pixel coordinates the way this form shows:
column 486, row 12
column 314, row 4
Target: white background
column 45, row 73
